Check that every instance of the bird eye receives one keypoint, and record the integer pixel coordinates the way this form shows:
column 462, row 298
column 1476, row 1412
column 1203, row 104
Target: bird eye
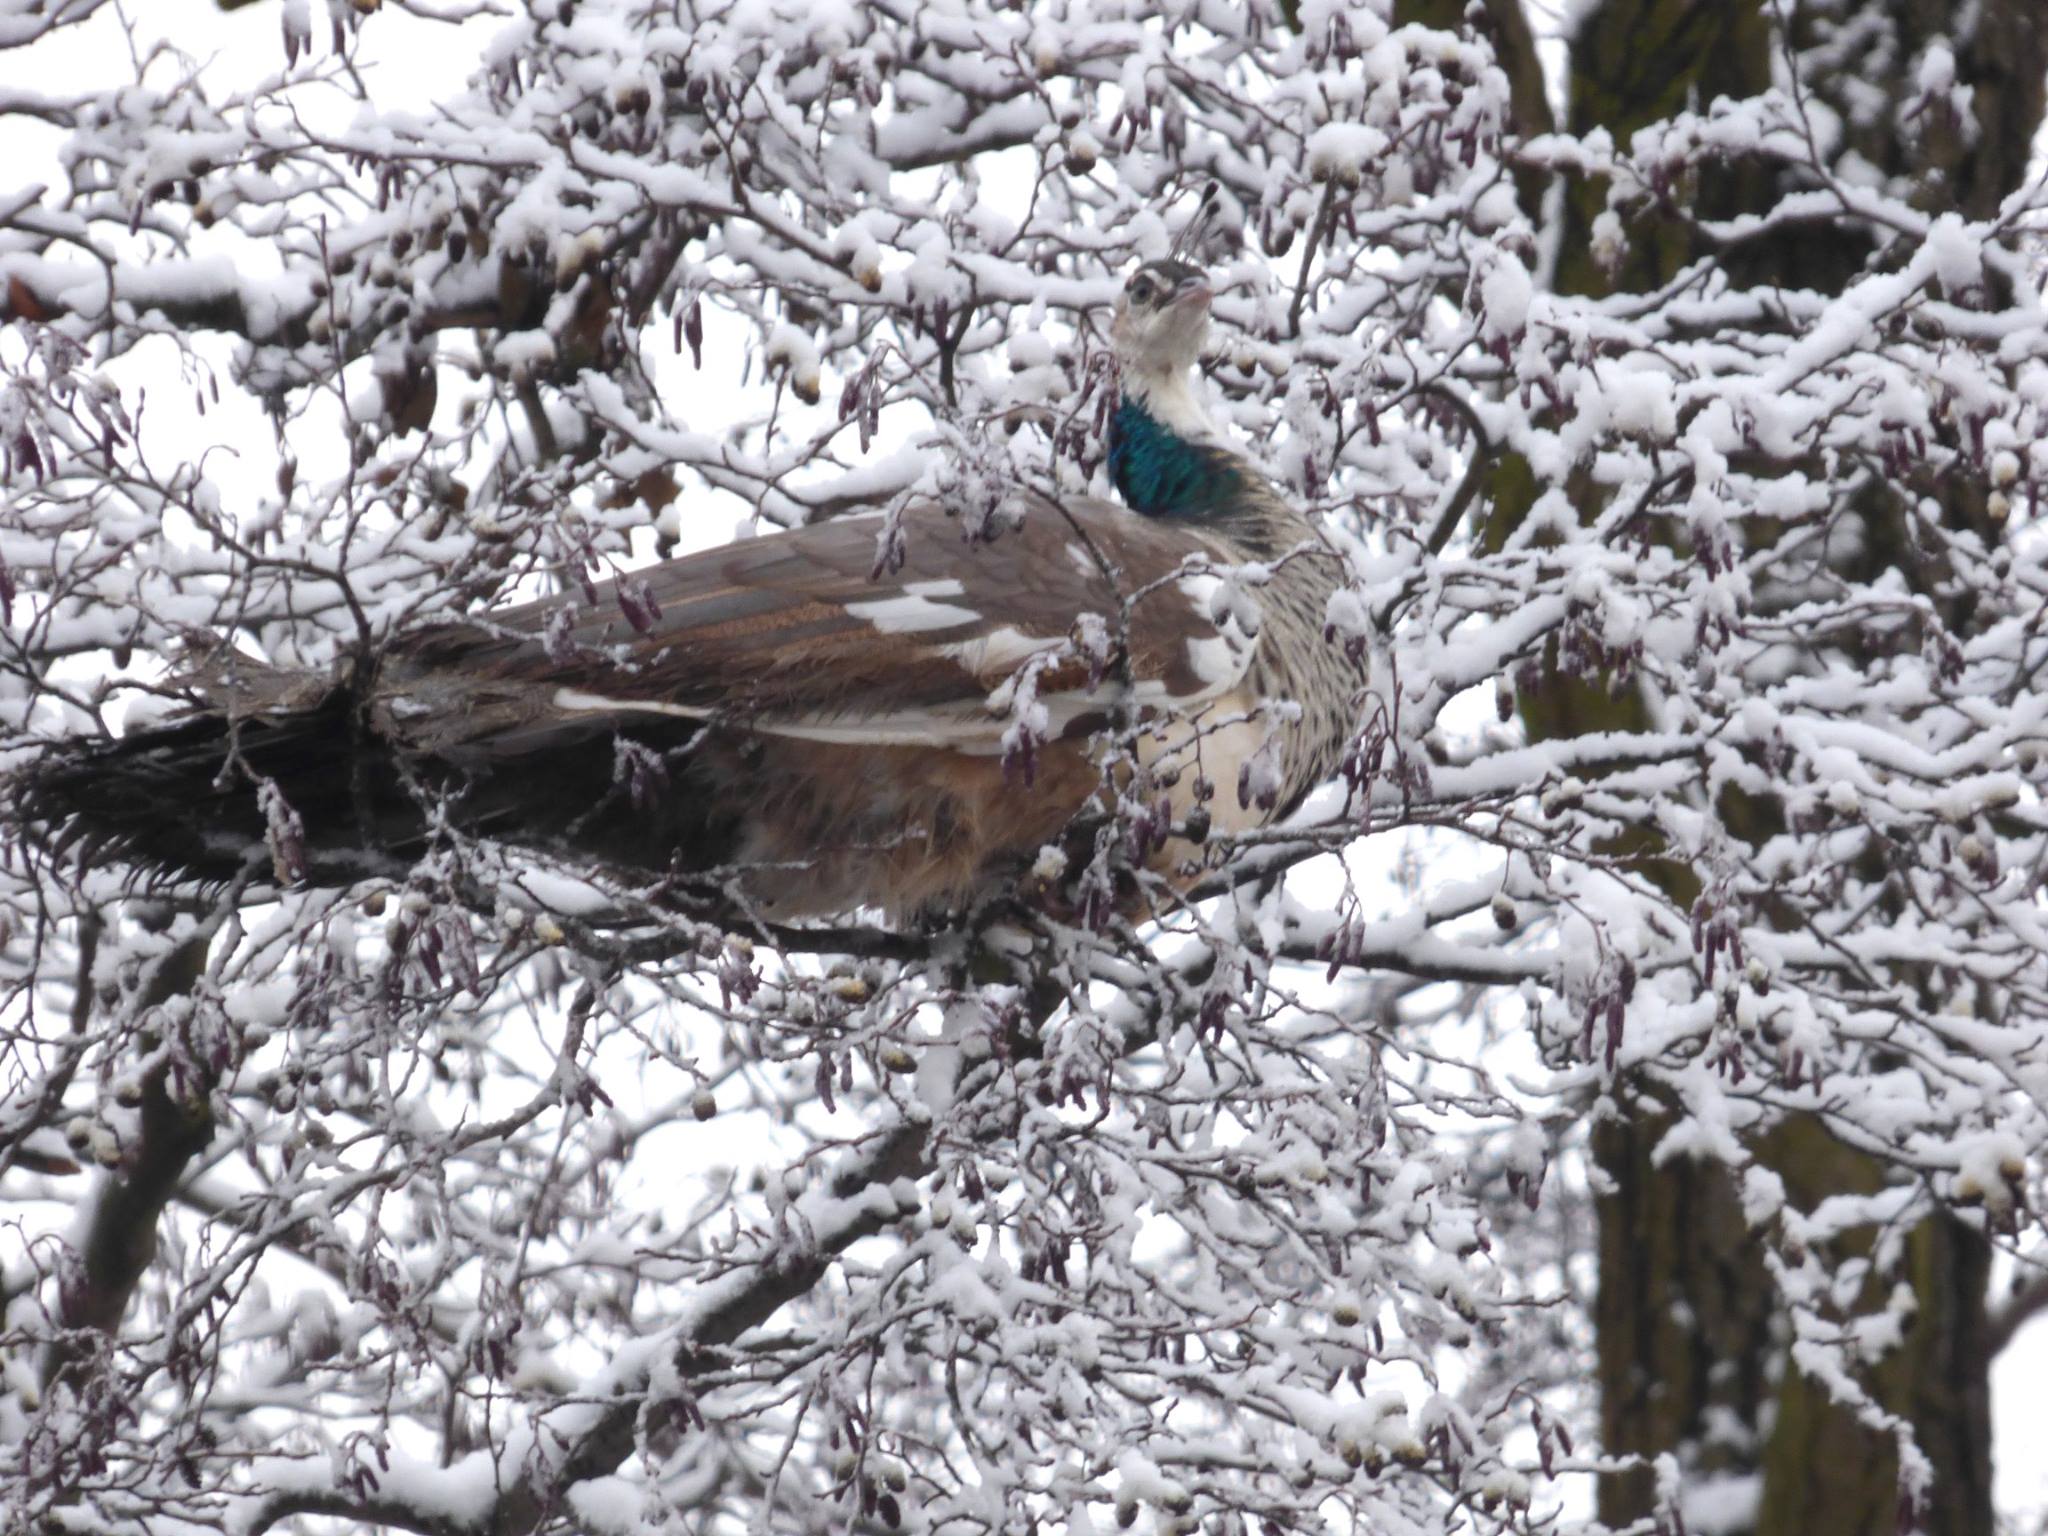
column 1143, row 288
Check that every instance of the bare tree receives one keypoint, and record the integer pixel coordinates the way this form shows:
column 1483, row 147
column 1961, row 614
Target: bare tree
column 513, row 1196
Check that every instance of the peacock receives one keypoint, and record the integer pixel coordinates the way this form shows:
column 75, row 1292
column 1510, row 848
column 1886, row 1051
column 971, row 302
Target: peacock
column 780, row 717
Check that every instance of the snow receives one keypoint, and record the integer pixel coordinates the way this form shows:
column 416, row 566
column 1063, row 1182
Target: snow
column 1505, row 296
column 608, row 1506
column 1936, row 70
column 1342, row 151
column 1264, row 1133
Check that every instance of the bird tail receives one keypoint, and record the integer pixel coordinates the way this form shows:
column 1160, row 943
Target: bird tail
column 292, row 778
column 229, row 792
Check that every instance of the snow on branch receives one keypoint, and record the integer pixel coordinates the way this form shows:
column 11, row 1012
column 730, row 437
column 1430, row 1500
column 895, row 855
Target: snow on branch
column 1702, row 754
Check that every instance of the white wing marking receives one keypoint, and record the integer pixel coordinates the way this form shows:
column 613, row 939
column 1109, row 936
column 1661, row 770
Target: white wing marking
column 1219, row 660
column 1004, row 649
column 914, row 609
column 576, row 700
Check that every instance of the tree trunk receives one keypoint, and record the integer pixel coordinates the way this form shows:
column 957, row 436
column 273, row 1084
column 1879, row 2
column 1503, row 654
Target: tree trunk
column 1692, row 1356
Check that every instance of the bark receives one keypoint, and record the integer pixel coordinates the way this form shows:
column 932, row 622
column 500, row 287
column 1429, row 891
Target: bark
column 120, row 1238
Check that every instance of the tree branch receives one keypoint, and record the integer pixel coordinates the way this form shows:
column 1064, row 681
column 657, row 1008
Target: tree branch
column 120, row 1236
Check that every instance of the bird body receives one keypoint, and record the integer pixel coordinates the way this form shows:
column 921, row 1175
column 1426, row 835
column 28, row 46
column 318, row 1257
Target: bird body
column 786, row 720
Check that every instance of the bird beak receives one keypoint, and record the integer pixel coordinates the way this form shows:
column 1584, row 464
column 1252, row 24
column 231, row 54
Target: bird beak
column 1193, row 290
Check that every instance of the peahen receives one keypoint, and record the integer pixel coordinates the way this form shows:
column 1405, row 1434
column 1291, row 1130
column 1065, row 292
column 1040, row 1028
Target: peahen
column 776, row 714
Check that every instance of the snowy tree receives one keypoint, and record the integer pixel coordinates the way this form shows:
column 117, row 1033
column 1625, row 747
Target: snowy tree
column 1682, row 877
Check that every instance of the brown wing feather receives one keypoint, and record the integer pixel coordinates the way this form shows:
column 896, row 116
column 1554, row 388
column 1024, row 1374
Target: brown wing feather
column 797, row 627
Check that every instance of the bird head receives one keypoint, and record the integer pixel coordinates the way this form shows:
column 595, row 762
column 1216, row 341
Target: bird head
column 1162, row 318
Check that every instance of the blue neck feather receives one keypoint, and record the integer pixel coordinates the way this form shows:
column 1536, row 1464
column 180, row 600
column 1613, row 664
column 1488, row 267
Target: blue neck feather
column 1162, row 474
